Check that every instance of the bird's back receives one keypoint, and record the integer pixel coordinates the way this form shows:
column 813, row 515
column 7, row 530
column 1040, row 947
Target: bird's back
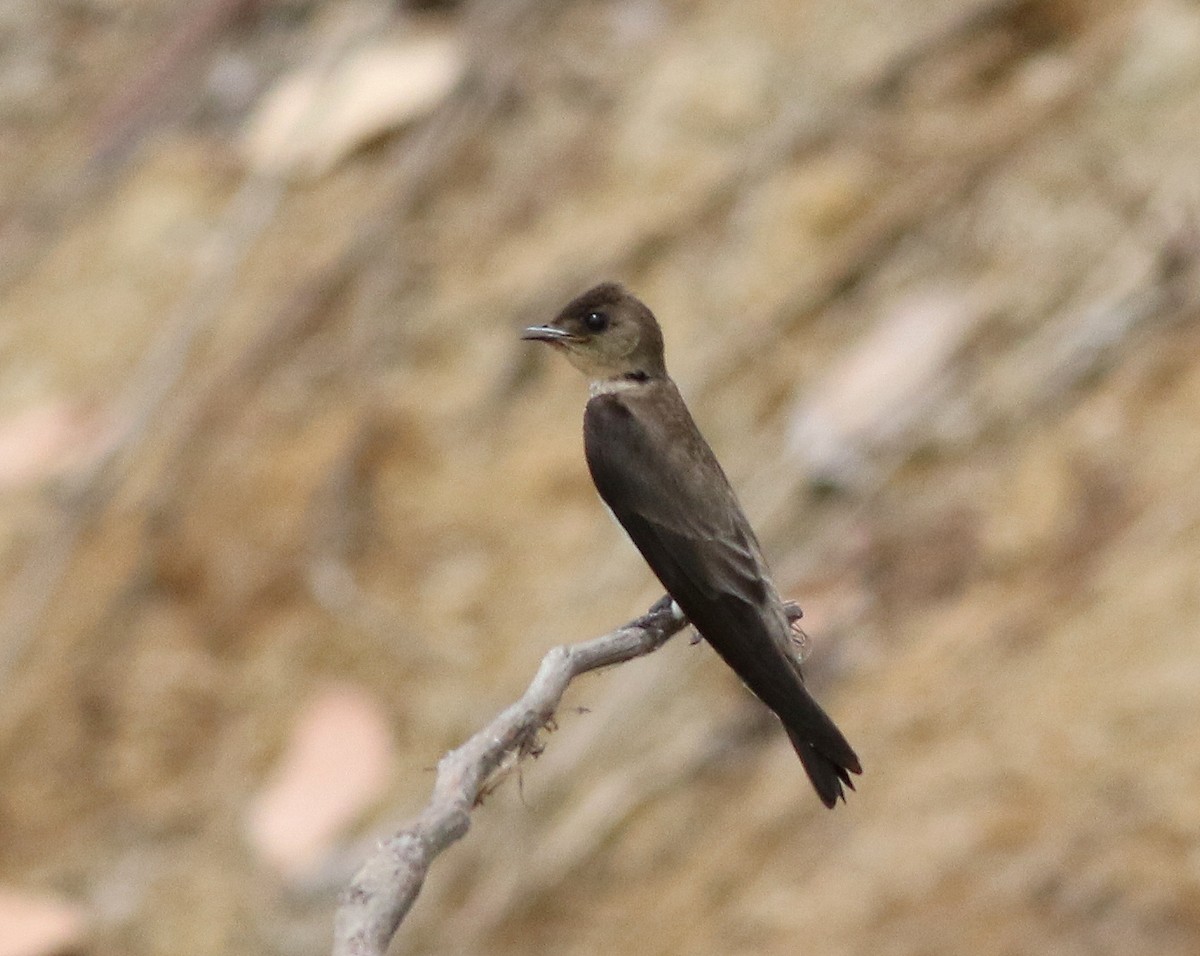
column 662, row 482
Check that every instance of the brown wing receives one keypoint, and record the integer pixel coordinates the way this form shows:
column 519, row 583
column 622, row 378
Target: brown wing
column 657, row 465
column 663, row 484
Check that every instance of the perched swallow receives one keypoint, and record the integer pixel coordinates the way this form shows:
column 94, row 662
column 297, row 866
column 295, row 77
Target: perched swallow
column 663, row 484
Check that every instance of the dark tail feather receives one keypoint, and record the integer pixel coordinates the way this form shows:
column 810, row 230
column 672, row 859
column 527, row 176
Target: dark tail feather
column 826, row 773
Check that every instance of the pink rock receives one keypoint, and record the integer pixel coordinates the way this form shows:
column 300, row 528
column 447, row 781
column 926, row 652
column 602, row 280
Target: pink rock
column 36, row 925
column 51, row 438
column 335, row 766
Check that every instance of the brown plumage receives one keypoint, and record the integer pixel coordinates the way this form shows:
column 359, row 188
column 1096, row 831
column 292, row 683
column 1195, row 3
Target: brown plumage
column 662, row 482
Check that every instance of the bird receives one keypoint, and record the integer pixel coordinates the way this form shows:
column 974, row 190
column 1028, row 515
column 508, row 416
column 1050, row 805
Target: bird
column 663, row 484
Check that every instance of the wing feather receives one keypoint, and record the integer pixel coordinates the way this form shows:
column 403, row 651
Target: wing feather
column 674, row 502
column 675, row 486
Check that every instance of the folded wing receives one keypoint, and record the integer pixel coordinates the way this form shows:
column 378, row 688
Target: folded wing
column 665, row 487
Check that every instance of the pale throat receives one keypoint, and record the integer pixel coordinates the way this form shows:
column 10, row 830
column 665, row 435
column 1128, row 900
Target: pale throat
column 610, row 386
column 602, row 378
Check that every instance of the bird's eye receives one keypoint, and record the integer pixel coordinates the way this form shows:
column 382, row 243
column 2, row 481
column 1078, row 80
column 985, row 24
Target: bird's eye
column 595, row 321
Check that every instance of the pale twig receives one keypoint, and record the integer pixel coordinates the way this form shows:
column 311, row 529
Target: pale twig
column 384, row 889
column 386, row 886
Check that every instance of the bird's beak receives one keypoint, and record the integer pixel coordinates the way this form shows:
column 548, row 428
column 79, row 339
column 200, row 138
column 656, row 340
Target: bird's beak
column 547, row 333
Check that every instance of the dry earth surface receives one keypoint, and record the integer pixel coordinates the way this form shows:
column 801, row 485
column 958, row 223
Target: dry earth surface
column 929, row 272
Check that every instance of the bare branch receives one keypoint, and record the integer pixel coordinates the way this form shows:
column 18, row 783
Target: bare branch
column 384, row 889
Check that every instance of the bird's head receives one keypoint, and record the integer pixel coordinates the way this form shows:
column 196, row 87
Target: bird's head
column 606, row 333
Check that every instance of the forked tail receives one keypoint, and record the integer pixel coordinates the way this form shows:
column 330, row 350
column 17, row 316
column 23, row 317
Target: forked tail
column 828, row 767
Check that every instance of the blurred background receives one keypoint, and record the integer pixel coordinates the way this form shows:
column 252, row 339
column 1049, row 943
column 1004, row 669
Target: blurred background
column 288, row 510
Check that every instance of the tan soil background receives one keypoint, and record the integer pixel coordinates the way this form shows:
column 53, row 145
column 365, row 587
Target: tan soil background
column 929, row 275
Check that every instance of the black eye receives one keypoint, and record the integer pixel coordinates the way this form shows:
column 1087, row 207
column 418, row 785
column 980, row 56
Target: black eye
column 595, row 321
